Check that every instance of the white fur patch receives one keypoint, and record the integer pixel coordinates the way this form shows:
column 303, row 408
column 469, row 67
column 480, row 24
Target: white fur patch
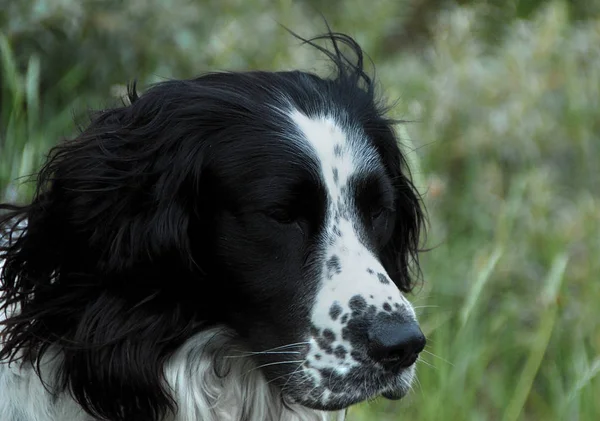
column 243, row 393
column 201, row 394
column 350, row 268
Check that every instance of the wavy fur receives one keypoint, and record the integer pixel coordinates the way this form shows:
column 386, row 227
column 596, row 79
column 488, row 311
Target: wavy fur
column 118, row 277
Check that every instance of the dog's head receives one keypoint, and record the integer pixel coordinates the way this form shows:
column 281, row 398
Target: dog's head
column 278, row 204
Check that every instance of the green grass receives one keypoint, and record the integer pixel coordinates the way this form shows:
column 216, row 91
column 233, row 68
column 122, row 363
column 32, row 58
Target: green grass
column 505, row 147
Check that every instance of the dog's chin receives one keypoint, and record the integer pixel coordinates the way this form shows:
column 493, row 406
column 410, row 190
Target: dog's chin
column 336, row 405
column 343, row 401
column 394, row 395
column 330, row 388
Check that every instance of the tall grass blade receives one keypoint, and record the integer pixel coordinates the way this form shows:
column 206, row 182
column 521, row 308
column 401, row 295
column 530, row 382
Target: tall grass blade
column 482, row 278
column 540, row 344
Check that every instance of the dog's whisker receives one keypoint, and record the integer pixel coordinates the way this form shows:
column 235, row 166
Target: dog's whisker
column 418, row 384
column 247, row 354
column 427, row 363
column 286, row 346
column 242, row 354
column 438, row 357
column 306, row 378
column 290, row 375
column 270, row 364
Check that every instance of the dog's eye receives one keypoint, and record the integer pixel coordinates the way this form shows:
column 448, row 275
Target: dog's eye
column 282, row 215
column 378, row 212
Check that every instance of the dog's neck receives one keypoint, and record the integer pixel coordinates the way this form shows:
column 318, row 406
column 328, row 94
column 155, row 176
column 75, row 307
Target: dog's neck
column 205, row 384
column 207, row 377
column 211, row 381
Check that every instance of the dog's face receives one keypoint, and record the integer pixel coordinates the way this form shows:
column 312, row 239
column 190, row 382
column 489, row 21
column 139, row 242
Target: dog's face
column 310, row 216
column 277, row 204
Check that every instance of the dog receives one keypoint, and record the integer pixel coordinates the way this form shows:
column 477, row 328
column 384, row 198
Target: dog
column 231, row 247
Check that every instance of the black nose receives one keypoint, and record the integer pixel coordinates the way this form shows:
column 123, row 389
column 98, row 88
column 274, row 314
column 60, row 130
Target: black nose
column 395, row 342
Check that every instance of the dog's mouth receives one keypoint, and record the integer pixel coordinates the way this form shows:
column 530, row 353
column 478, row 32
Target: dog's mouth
column 329, row 391
column 394, row 395
column 336, row 402
column 339, row 404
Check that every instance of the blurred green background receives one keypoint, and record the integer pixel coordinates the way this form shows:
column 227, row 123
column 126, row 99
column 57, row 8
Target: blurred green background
column 504, row 99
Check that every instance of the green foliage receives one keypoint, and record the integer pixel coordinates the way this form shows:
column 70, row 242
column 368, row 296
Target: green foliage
column 505, row 99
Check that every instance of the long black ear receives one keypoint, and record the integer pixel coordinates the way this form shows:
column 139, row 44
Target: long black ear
column 122, row 185
column 107, row 229
column 401, row 255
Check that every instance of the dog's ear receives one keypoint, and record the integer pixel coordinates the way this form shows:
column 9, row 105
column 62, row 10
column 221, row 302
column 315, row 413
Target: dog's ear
column 400, row 256
column 95, row 267
column 125, row 186
column 117, row 199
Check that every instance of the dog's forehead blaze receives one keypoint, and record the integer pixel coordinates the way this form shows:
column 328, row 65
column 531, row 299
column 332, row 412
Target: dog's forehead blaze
column 350, row 268
column 340, row 149
column 323, row 138
column 353, row 285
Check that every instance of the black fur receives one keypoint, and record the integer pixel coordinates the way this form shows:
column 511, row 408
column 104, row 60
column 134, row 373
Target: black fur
column 158, row 220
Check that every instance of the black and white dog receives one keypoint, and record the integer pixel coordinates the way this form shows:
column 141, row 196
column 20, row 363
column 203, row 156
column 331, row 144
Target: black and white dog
column 232, row 247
